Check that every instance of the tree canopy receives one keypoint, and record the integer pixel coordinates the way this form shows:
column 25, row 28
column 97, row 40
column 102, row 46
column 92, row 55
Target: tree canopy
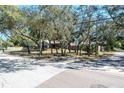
column 85, row 26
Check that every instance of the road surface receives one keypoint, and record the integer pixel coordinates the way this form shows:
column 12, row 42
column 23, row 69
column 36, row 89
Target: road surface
column 84, row 79
column 19, row 72
column 111, row 75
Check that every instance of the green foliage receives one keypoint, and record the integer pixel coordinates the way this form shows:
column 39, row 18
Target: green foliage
column 31, row 26
column 122, row 44
column 118, row 44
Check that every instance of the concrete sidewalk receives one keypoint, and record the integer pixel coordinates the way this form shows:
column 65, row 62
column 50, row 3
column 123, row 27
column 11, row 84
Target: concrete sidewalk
column 84, row 79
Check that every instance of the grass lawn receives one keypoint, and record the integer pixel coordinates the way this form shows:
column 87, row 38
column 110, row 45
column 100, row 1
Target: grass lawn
column 47, row 54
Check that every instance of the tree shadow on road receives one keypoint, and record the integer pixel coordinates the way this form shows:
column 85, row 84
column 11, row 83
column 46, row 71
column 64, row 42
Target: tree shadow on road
column 13, row 65
column 117, row 64
column 7, row 65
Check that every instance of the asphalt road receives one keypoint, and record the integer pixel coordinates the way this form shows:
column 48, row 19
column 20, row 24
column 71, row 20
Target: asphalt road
column 84, row 79
column 12, row 68
column 88, row 78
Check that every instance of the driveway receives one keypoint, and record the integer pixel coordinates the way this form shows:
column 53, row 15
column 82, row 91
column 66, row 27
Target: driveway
column 84, row 79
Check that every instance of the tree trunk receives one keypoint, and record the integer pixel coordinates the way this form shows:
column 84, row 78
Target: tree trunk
column 28, row 48
column 56, row 48
column 69, row 47
column 50, row 45
column 96, row 50
column 65, row 51
column 3, row 50
column 80, row 52
column 77, row 49
column 89, row 50
column 40, row 52
column 43, row 45
column 61, row 51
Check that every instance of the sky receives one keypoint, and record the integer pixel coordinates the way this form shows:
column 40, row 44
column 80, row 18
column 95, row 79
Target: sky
column 3, row 37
